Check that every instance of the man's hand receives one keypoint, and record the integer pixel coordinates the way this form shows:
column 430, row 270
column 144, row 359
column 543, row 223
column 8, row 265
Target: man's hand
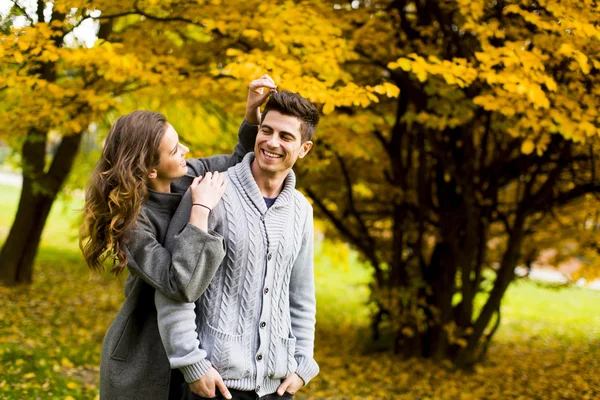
column 258, row 91
column 291, row 384
column 207, row 385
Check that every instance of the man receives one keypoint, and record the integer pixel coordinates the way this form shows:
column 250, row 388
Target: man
column 251, row 334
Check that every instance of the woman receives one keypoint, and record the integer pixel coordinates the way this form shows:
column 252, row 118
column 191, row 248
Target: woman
column 127, row 212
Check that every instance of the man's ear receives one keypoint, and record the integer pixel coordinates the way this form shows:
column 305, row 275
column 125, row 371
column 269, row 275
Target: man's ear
column 306, row 146
column 153, row 174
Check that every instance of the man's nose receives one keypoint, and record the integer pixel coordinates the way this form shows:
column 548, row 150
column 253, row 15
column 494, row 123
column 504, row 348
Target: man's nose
column 273, row 141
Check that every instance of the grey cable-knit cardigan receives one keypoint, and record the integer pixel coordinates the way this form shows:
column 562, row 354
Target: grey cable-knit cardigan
column 134, row 364
column 255, row 322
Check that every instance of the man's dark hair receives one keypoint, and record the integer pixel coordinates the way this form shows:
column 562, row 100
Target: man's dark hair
column 294, row 105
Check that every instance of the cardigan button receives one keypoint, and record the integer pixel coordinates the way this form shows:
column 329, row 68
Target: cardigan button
column 269, row 256
column 266, row 290
column 259, row 357
column 263, row 324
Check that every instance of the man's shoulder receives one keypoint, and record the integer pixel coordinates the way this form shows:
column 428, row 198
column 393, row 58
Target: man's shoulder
column 302, row 201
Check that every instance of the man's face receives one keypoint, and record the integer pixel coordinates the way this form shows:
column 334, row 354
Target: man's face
column 279, row 143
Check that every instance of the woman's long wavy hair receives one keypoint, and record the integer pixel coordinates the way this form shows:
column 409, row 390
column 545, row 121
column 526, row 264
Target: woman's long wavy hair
column 118, row 187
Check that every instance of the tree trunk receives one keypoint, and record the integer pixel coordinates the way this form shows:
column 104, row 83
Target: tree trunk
column 38, row 193
column 20, row 248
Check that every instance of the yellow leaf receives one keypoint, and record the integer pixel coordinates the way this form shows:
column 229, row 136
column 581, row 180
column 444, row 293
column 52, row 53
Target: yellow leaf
column 582, row 59
column 18, row 57
column 422, row 76
column 72, row 385
column 66, row 363
column 23, row 45
column 406, row 331
column 328, row 108
column 233, row 52
column 527, row 147
column 29, row 375
column 402, row 63
column 391, row 90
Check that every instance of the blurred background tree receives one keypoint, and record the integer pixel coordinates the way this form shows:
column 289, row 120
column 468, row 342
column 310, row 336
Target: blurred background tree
column 492, row 140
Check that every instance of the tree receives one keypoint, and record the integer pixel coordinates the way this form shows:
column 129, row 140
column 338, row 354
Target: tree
column 52, row 90
column 494, row 132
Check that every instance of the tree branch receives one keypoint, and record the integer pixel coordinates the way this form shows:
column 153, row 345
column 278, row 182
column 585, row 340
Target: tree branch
column 18, row 7
column 341, row 227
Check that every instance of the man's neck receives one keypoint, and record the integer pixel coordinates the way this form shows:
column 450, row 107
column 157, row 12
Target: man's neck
column 269, row 185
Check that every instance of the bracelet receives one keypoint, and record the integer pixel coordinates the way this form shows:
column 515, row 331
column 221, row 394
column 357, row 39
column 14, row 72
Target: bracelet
column 202, row 205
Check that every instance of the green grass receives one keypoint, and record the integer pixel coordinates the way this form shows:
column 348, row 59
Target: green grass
column 51, row 332
column 534, row 311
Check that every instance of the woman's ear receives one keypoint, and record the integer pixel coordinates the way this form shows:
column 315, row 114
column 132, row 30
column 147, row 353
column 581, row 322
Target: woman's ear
column 153, row 174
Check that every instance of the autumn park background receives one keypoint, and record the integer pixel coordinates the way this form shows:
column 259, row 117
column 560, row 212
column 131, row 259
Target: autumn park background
column 458, row 157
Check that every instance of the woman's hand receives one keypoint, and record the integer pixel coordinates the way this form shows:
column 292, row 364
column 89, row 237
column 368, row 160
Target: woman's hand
column 208, row 189
column 258, row 91
column 206, row 192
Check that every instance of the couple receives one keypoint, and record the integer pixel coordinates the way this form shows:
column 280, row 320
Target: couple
column 220, row 299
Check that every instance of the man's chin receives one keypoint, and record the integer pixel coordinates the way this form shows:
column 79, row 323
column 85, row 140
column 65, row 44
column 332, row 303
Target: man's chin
column 267, row 168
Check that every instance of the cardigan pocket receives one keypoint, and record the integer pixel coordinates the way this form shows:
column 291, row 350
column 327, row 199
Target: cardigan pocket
column 228, row 353
column 284, row 363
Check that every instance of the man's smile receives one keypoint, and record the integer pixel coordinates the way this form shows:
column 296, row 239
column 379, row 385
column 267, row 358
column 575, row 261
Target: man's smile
column 270, row 154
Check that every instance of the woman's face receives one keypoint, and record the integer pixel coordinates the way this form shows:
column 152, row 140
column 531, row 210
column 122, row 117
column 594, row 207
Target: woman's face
column 171, row 163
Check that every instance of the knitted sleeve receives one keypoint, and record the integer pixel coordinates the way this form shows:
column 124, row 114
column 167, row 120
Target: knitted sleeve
column 177, row 328
column 303, row 304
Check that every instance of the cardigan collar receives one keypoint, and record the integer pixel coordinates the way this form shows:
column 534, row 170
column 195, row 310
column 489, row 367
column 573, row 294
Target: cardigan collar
column 243, row 174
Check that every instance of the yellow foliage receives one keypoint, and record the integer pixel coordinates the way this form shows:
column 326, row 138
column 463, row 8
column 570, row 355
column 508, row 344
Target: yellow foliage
column 527, row 147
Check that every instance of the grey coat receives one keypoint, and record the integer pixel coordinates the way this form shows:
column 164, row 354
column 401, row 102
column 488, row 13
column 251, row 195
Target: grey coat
column 134, row 364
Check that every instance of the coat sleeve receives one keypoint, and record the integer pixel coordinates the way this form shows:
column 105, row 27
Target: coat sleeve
column 199, row 166
column 195, row 253
column 303, row 303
